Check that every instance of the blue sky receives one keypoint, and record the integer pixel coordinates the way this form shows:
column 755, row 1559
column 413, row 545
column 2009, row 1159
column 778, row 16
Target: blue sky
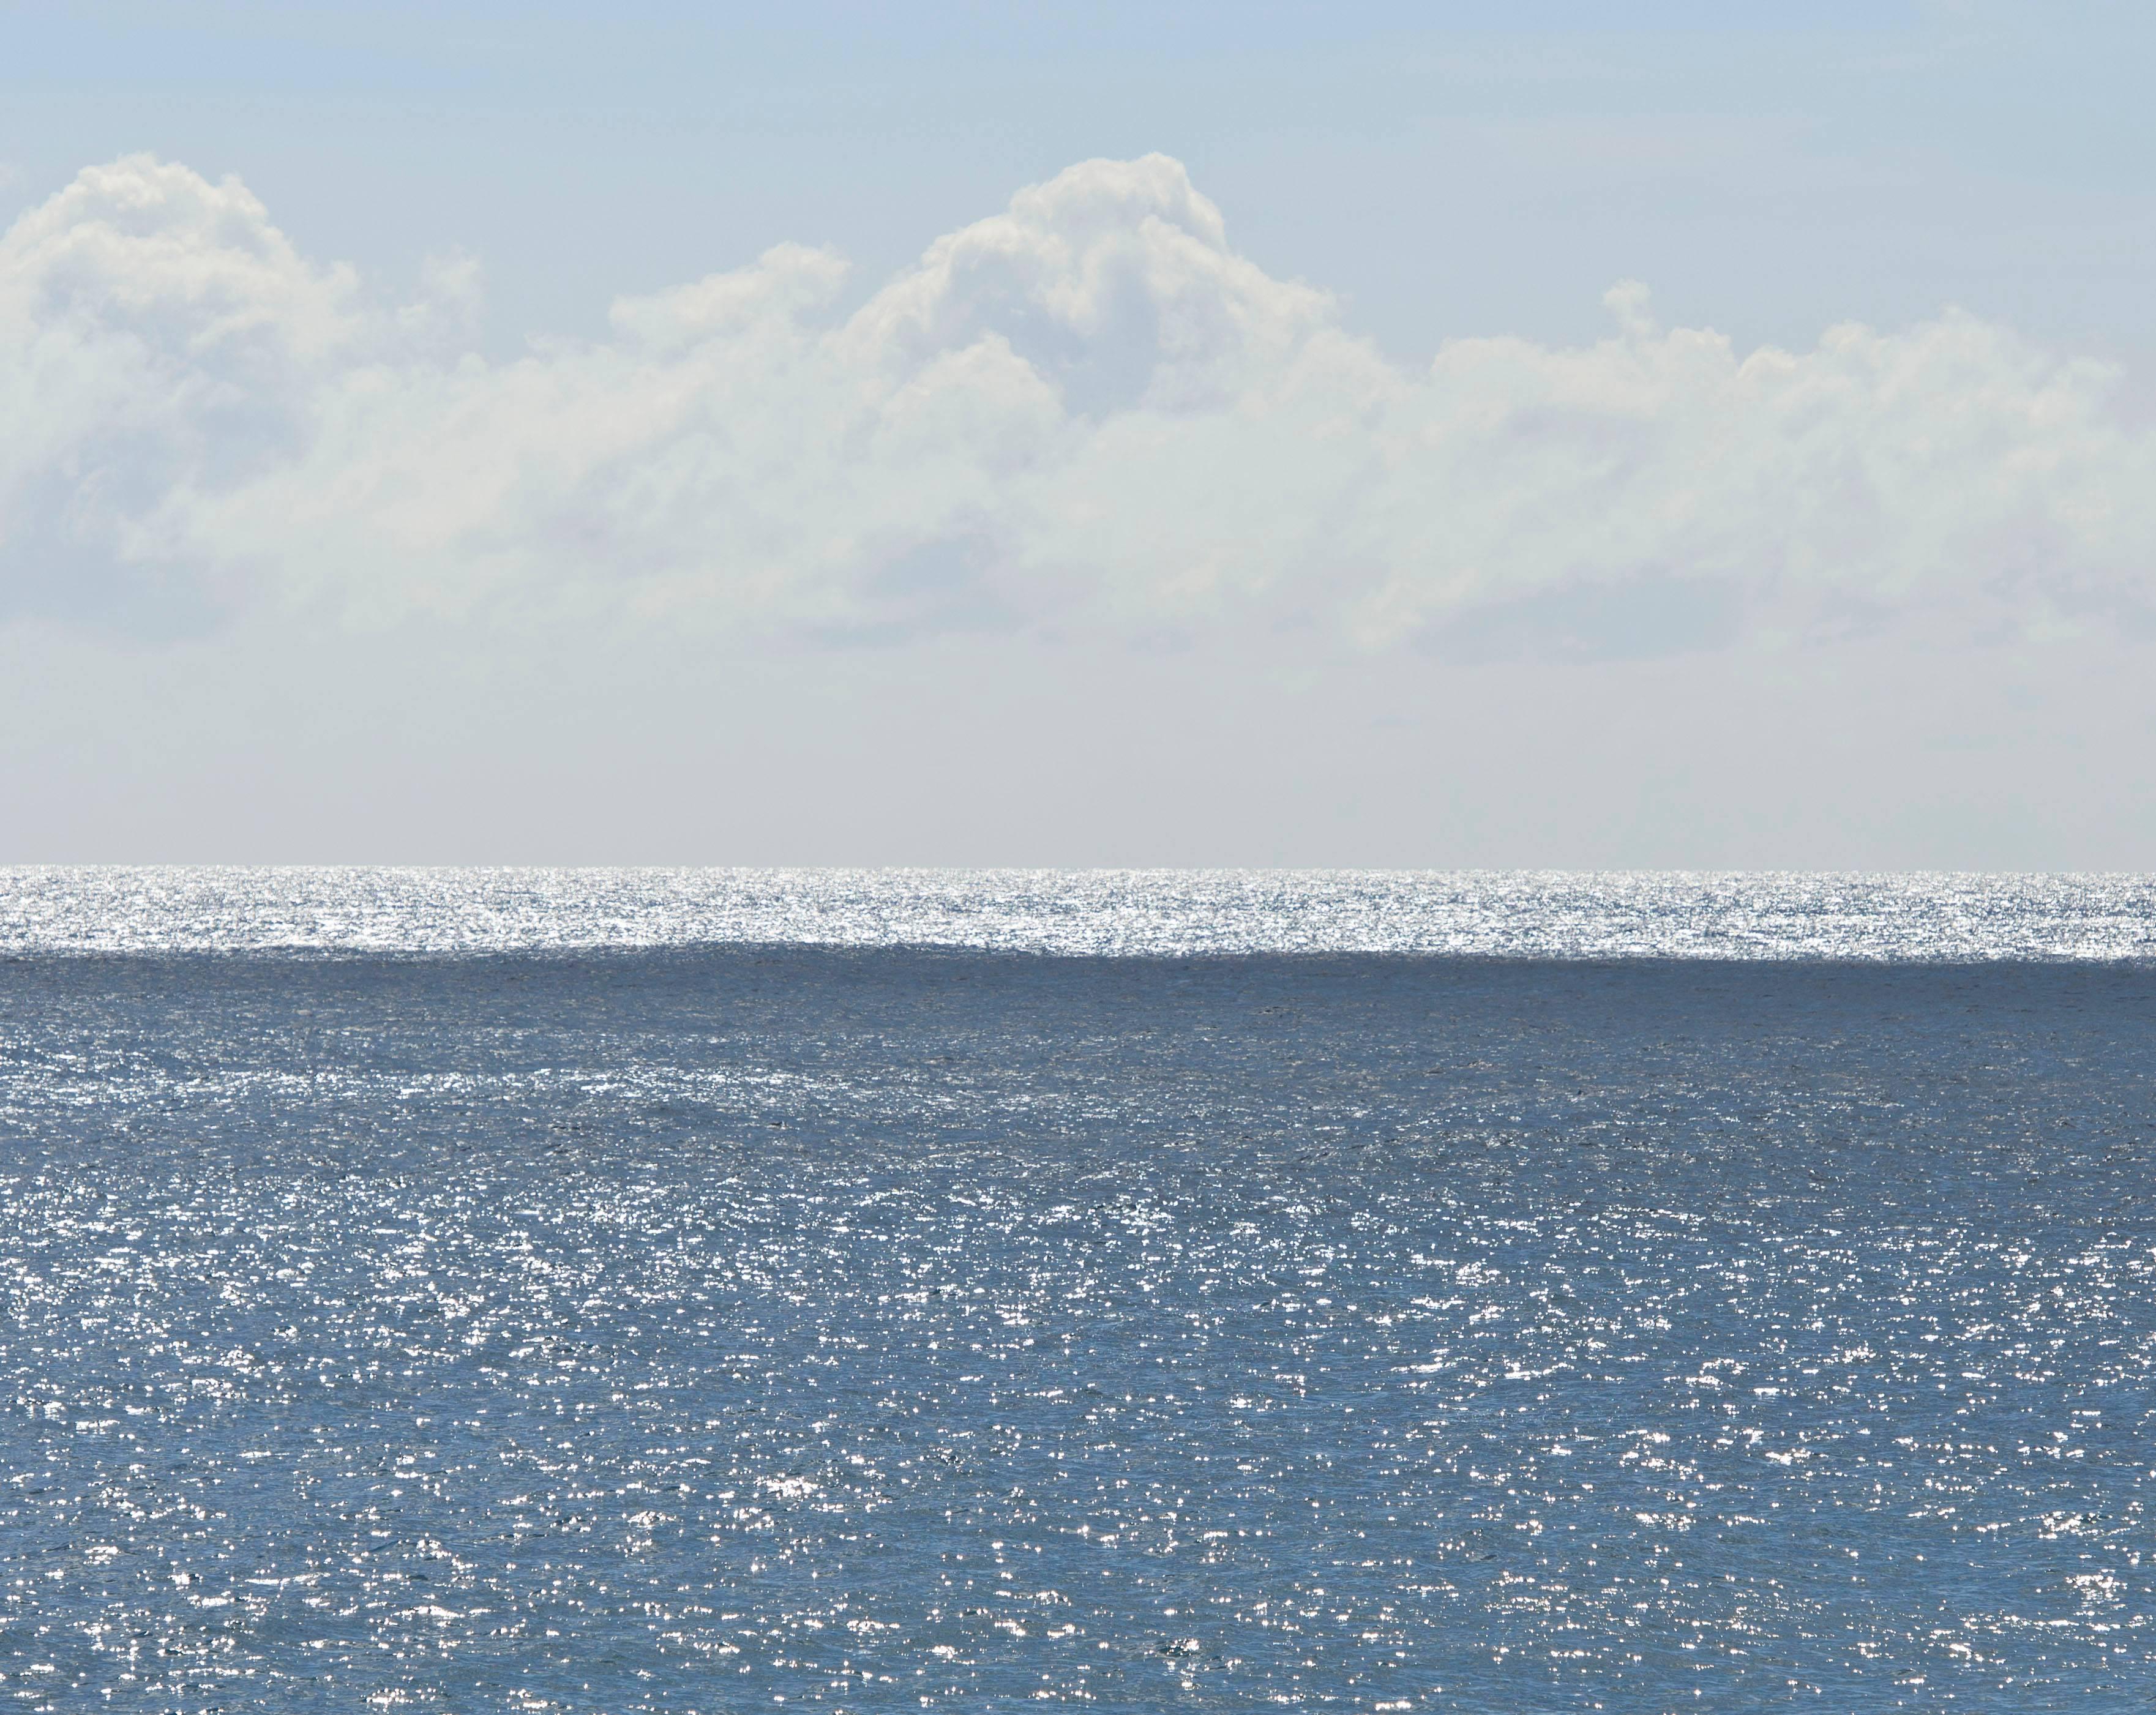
column 1910, row 574
column 1449, row 169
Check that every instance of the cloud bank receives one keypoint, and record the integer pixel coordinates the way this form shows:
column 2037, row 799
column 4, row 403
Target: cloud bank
column 1086, row 415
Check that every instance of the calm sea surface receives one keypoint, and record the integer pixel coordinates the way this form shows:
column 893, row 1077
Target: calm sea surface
column 474, row 1291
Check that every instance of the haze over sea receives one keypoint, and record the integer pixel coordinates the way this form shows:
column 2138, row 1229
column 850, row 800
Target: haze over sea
column 716, row 1290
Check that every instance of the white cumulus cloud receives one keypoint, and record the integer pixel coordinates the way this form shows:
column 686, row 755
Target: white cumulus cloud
column 1086, row 413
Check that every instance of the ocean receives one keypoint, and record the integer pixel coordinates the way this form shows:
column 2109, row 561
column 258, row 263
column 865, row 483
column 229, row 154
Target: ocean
column 717, row 1291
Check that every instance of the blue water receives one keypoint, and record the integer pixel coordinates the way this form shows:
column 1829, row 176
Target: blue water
column 730, row 1327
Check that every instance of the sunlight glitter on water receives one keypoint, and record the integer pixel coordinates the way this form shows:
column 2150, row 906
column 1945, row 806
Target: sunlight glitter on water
column 871, row 1329
column 1508, row 914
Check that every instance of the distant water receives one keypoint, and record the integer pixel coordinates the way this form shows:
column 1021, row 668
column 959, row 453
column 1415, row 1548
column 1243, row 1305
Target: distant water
column 670, row 1292
column 1110, row 913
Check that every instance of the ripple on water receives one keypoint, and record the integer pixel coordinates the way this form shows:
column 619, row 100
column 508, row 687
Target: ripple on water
column 695, row 1329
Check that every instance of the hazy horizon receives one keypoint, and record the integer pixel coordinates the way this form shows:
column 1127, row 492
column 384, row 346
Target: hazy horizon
column 1364, row 438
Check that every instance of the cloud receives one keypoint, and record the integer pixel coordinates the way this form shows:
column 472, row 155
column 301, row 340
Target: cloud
column 1087, row 414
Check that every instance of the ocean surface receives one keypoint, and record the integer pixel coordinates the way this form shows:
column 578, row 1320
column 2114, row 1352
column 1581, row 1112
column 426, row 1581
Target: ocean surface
column 723, row 1290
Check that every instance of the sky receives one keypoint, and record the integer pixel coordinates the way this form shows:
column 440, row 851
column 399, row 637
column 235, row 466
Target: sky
column 1447, row 435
